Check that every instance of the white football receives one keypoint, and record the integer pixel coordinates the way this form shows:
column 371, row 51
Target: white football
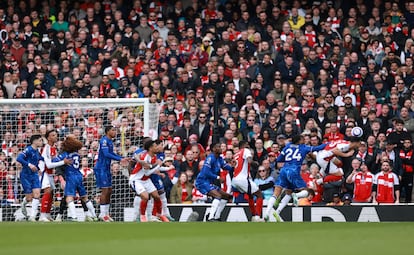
column 357, row 132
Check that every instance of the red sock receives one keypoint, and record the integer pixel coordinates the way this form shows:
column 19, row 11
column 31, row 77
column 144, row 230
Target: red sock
column 259, row 206
column 143, row 206
column 154, row 209
column 49, row 205
column 45, row 202
column 251, row 206
column 157, row 206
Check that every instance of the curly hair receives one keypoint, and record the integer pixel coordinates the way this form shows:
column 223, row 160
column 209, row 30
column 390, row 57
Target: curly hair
column 71, row 144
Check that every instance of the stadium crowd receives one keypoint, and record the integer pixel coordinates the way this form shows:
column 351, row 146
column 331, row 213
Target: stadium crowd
column 277, row 69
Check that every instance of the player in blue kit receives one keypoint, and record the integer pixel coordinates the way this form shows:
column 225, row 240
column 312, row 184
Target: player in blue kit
column 210, row 172
column 73, row 177
column 29, row 176
column 289, row 178
column 102, row 171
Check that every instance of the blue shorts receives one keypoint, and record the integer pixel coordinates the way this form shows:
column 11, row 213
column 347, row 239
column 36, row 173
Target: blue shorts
column 205, row 187
column 290, row 179
column 156, row 180
column 73, row 184
column 29, row 182
column 103, row 178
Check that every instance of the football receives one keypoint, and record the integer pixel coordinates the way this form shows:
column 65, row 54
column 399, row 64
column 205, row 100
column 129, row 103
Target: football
column 357, row 132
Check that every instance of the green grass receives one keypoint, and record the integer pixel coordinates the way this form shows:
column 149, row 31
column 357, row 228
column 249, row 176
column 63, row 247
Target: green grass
column 206, row 238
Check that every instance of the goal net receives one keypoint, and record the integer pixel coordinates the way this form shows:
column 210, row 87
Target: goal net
column 86, row 119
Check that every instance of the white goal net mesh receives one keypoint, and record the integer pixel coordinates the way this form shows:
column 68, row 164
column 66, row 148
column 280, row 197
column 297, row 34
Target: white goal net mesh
column 86, row 119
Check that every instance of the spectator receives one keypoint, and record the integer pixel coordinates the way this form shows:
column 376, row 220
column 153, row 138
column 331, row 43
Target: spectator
column 265, row 182
column 181, row 192
column 362, row 179
column 386, row 185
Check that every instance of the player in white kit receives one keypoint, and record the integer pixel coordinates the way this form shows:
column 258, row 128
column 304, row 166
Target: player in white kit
column 328, row 159
column 244, row 182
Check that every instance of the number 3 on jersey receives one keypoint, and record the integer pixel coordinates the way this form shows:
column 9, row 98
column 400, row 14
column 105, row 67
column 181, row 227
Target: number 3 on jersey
column 76, row 163
column 293, row 155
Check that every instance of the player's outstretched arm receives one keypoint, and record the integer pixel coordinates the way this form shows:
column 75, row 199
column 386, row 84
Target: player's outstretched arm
column 110, row 154
column 318, row 148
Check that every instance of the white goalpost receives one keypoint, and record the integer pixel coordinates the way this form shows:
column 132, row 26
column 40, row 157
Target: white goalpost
column 134, row 118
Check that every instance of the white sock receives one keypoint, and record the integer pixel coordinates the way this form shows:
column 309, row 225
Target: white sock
column 72, row 209
column 164, row 203
column 107, row 209
column 91, row 208
column 24, row 203
column 270, row 204
column 213, row 209
column 220, row 208
column 303, row 193
column 35, row 205
column 137, row 203
column 104, row 210
column 48, row 215
column 43, row 215
column 285, row 200
column 150, row 206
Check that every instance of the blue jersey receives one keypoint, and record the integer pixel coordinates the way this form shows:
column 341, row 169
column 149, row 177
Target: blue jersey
column 29, row 156
column 294, row 154
column 211, row 168
column 72, row 169
column 73, row 175
column 106, row 155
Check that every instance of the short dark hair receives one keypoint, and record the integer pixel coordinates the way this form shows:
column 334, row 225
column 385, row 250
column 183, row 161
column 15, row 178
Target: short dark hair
column 296, row 139
column 148, row 144
column 34, row 138
column 49, row 132
column 108, row 128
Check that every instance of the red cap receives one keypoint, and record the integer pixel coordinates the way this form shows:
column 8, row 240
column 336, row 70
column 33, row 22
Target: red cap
column 177, row 139
column 194, row 57
column 262, row 102
column 95, row 40
column 165, row 128
column 357, row 76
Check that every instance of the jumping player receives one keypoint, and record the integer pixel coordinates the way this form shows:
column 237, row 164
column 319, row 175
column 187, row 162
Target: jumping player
column 289, row 178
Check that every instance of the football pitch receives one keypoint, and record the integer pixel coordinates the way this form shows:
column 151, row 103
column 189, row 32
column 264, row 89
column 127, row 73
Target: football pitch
column 206, row 238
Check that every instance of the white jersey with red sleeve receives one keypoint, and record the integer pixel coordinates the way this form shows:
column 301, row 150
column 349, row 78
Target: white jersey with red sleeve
column 48, row 153
column 327, row 153
column 324, row 156
column 139, row 173
column 242, row 169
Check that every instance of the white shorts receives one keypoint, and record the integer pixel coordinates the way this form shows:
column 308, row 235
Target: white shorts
column 323, row 163
column 47, row 181
column 140, row 186
column 242, row 184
